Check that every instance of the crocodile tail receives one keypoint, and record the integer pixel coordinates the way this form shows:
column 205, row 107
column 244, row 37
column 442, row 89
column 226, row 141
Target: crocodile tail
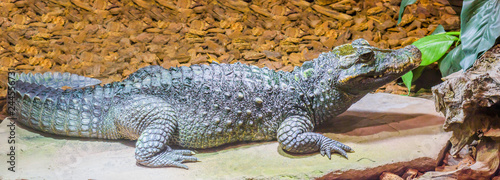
column 41, row 103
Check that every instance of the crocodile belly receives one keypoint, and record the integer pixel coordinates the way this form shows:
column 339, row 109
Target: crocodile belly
column 216, row 132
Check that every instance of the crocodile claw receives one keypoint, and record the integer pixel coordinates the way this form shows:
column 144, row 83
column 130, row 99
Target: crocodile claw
column 170, row 157
column 330, row 146
column 184, row 152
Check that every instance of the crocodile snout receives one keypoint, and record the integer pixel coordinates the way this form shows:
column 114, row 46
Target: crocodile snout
column 413, row 53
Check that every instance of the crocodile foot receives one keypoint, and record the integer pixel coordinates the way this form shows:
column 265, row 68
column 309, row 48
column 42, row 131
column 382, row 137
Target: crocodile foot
column 329, row 146
column 170, row 157
column 294, row 136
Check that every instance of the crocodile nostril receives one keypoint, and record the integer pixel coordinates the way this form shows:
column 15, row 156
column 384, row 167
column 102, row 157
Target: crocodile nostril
column 413, row 53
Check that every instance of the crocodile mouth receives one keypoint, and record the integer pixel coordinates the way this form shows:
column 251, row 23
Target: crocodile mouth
column 388, row 68
column 413, row 59
column 390, row 72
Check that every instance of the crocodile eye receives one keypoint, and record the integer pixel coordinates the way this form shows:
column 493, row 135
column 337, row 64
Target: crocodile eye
column 367, row 57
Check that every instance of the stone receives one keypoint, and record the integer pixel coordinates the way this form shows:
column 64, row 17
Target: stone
column 394, row 35
column 268, row 35
column 408, row 41
column 469, row 100
column 383, row 44
column 143, row 37
column 393, row 42
column 257, row 31
column 199, row 59
column 393, row 2
column 184, row 3
column 292, row 32
column 325, row 2
column 418, row 33
column 410, row 174
column 272, row 54
column 175, row 27
column 288, row 47
column 360, row 27
column 198, row 25
column 331, row 13
column 390, row 176
column 321, row 29
column 389, row 133
column 375, row 10
column 447, row 2
column 367, row 35
column 385, row 25
column 450, row 21
column 278, row 10
column 260, row 11
column 449, row 10
column 341, row 7
column 414, row 25
column 310, row 55
column 160, row 39
column 252, row 55
column 407, row 19
column 330, row 42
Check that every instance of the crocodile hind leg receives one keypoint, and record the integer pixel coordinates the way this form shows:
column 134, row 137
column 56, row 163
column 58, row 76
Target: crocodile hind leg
column 294, row 135
column 152, row 149
column 153, row 123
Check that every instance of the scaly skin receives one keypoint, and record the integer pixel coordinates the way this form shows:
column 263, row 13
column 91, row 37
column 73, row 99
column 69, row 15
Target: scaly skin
column 211, row 105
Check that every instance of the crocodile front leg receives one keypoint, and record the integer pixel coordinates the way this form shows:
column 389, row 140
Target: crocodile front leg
column 294, row 135
column 152, row 122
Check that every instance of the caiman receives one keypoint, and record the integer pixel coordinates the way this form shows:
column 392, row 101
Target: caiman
column 204, row 106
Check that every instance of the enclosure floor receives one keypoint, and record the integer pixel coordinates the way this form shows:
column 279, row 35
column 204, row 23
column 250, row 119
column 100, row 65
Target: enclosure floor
column 381, row 128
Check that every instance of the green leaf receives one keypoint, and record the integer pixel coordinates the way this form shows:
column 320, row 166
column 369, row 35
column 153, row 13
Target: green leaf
column 417, row 73
column 439, row 30
column 404, row 3
column 451, row 62
column 480, row 27
column 433, row 47
column 407, row 79
column 454, row 33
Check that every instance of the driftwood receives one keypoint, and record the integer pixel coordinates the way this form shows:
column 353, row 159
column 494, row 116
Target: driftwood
column 470, row 102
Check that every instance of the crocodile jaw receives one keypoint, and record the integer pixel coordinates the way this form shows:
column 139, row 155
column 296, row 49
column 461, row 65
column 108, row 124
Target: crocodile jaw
column 389, row 66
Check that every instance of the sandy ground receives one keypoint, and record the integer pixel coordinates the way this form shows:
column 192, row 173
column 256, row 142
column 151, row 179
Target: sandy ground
column 381, row 128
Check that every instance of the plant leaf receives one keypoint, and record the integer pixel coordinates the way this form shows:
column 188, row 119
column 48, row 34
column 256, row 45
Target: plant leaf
column 433, row 47
column 480, row 27
column 454, row 33
column 451, row 62
column 407, row 79
column 402, row 7
column 439, row 30
column 417, row 73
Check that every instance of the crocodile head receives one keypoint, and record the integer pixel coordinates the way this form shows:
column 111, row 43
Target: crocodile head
column 363, row 68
